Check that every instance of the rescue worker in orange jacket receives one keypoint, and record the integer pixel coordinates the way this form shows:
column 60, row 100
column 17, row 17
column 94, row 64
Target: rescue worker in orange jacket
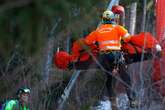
column 108, row 37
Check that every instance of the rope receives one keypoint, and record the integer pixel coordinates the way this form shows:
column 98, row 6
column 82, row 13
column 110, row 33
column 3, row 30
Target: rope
column 75, row 75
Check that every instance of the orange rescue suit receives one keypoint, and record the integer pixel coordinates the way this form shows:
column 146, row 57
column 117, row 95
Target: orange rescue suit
column 108, row 37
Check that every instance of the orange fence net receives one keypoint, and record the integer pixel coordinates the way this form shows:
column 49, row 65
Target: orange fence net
column 159, row 64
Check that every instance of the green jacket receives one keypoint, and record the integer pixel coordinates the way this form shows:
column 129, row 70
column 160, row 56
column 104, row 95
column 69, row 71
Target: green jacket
column 14, row 105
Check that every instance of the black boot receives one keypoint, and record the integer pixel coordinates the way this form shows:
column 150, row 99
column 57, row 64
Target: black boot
column 134, row 103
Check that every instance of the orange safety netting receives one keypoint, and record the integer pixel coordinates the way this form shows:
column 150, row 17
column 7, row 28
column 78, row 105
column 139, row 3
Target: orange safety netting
column 159, row 64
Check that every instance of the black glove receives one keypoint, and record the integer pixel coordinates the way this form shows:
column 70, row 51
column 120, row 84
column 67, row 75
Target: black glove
column 70, row 66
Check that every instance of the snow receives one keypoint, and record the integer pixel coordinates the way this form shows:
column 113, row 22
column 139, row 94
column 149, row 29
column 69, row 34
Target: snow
column 121, row 100
column 103, row 105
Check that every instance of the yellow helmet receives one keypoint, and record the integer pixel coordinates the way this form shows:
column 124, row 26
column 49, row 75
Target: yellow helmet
column 109, row 15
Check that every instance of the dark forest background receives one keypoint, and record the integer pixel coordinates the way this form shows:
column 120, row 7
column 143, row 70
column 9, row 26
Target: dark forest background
column 25, row 27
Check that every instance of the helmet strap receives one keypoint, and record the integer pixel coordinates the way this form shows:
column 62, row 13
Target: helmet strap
column 107, row 21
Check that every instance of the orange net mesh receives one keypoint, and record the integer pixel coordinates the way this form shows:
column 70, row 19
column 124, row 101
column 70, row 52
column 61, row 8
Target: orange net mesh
column 160, row 19
column 159, row 64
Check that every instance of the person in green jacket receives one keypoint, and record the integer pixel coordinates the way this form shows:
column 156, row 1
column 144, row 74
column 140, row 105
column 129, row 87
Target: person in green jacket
column 21, row 103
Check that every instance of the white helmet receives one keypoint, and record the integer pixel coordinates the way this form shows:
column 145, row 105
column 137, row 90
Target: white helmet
column 109, row 15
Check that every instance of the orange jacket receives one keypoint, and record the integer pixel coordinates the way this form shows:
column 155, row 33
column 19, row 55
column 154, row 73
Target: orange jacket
column 108, row 37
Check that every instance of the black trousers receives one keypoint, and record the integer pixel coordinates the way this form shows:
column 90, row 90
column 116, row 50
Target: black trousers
column 111, row 61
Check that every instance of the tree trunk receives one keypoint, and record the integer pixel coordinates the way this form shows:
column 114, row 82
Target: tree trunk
column 123, row 19
column 48, row 50
column 132, row 18
column 144, row 16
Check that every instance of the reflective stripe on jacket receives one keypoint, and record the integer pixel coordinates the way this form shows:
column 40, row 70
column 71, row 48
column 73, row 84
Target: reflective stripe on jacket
column 108, row 36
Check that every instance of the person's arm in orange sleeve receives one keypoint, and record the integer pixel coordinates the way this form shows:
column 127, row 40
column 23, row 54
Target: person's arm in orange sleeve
column 91, row 38
column 123, row 33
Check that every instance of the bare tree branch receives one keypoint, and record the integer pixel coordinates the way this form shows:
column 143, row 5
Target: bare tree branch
column 16, row 4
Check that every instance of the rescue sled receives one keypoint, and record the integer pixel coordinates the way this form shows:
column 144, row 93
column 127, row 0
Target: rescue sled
column 82, row 55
